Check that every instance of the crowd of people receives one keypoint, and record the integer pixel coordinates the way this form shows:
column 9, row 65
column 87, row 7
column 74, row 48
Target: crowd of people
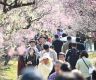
column 55, row 60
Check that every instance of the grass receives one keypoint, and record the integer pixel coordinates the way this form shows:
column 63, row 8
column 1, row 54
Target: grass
column 92, row 55
column 9, row 72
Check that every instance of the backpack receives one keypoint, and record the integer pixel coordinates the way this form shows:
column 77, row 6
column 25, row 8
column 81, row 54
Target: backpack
column 73, row 55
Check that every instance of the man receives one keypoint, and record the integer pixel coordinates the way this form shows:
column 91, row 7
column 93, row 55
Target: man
column 49, row 51
column 57, row 44
column 72, row 56
column 64, row 69
column 42, row 41
column 80, row 46
column 59, row 32
column 64, row 35
column 67, row 45
column 57, row 67
column 33, row 45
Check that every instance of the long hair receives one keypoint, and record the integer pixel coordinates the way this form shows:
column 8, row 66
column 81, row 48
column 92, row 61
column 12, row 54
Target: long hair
column 29, row 51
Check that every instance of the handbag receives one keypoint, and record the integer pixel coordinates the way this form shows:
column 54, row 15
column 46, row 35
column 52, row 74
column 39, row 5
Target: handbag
column 89, row 68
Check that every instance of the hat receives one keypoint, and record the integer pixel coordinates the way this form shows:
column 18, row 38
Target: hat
column 32, row 40
column 45, row 56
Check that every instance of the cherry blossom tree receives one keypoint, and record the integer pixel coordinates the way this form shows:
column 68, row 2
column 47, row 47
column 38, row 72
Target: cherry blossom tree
column 23, row 18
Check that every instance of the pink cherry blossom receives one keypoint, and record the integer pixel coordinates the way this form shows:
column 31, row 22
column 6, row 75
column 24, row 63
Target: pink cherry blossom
column 21, row 50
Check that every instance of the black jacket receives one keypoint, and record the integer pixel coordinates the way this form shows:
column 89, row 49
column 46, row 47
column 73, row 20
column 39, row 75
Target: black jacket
column 72, row 56
column 57, row 44
column 34, row 59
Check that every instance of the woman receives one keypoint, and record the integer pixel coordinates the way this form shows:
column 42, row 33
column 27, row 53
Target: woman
column 21, row 65
column 83, row 63
column 57, row 67
column 31, row 59
column 45, row 66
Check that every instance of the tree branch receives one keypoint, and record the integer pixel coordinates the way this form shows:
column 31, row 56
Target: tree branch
column 3, row 3
column 4, row 6
column 30, row 21
column 21, row 5
column 16, row 5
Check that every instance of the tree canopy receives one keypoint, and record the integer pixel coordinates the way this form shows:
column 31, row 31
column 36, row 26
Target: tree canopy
column 22, row 18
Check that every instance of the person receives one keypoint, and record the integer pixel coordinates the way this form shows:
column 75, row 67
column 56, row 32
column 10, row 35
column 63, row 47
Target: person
column 46, row 35
column 64, row 35
column 83, row 63
column 57, row 66
column 67, row 76
column 74, row 75
column 49, row 39
column 45, row 66
column 94, row 75
column 70, row 76
column 78, row 74
column 64, row 69
column 59, row 33
column 67, row 45
column 31, row 59
column 21, row 65
column 72, row 56
column 42, row 41
column 7, row 59
column 32, row 43
column 36, row 37
column 31, row 74
column 49, row 51
column 80, row 46
column 65, row 73
column 7, row 55
column 57, row 44
column 62, row 58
